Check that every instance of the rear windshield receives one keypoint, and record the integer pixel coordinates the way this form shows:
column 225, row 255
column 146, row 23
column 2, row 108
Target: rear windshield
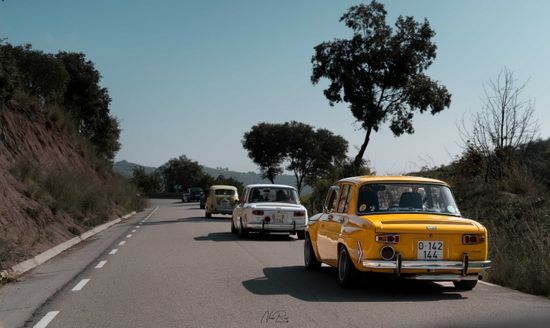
column 406, row 197
column 195, row 190
column 225, row 192
column 273, row 195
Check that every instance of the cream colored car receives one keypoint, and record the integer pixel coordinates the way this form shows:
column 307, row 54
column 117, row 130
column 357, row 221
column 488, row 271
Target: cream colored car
column 221, row 199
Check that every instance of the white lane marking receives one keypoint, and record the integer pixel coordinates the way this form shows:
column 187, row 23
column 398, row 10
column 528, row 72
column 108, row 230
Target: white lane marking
column 150, row 214
column 43, row 323
column 134, row 230
column 122, row 243
column 80, row 285
column 113, row 252
column 488, row 283
column 129, row 236
column 138, row 227
column 100, row 264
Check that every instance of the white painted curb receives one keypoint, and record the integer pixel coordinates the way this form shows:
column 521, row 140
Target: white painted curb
column 32, row 263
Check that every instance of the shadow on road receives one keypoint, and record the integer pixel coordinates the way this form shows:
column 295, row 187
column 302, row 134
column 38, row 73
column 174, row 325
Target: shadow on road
column 228, row 236
column 322, row 286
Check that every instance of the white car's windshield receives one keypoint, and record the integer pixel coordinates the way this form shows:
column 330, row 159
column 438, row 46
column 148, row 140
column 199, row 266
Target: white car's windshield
column 406, row 197
column 273, row 195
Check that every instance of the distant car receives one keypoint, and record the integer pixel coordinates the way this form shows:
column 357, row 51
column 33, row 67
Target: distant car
column 221, row 199
column 202, row 202
column 193, row 194
column 408, row 227
column 269, row 208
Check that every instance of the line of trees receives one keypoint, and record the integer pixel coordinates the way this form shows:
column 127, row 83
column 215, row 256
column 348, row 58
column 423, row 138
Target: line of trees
column 66, row 80
column 178, row 174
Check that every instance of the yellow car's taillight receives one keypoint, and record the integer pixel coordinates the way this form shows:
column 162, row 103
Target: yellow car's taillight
column 473, row 239
column 387, row 238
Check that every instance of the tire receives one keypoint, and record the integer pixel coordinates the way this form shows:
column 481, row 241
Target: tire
column 465, row 284
column 208, row 214
column 310, row 259
column 346, row 270
column 233, row 229
column 301, row 234
column 243, row 233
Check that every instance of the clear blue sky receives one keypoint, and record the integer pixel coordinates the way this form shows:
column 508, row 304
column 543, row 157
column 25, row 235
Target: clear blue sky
column 190, row 77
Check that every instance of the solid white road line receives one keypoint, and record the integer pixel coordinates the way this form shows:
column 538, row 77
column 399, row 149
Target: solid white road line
column 100, row 264
column 80, row 285
column 488, row 283
column 122, row 243
column 150, row 214
column 43, row 323
column 129, row 236
column 113, row 252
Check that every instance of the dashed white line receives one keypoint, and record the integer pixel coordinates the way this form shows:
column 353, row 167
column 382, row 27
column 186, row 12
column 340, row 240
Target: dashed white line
column 100, row 264
column 80, row 285
column 134, row 230
column 129, row 236
column 43, row 323
column 113, row 252
column 138, row 227
column 122, row 243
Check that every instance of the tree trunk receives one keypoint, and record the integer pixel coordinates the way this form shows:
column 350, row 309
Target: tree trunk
column 359, row 157
column 298, row 183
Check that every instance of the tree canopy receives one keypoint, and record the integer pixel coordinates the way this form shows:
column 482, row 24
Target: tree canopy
column 68, row 80
column 297, row 147
column 380, row 71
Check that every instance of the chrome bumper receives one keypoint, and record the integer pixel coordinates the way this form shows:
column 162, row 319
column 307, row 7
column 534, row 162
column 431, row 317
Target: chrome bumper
column 398, row 265
column 275, row 227
column 426, row 265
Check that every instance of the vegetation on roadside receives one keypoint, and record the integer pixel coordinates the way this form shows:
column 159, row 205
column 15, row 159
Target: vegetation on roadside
column 502, row 181
column 89, row 200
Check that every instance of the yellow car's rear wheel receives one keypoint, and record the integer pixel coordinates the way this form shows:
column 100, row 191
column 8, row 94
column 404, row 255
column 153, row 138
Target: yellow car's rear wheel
column 310, row 259
column 346, row 270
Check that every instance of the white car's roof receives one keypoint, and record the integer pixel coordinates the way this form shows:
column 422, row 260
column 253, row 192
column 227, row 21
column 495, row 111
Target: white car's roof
column 268, row 185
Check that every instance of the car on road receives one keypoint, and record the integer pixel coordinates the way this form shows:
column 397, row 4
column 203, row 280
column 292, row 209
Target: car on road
column 193, row 194
column 221, row 199
column 269, row 208
column 408, row 227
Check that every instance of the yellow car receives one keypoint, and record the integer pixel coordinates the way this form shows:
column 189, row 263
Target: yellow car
column 409, row 227
column 221, row 199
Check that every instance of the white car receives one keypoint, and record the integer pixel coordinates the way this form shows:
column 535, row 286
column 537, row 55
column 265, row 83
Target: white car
column 269, row 208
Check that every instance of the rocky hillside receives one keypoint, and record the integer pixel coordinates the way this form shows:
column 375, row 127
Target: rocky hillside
column 52, row 187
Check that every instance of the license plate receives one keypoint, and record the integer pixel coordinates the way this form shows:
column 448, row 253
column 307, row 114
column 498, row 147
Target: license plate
column 430, row 250
column 278, row 218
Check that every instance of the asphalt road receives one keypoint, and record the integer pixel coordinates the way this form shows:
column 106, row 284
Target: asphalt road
column 179, row 269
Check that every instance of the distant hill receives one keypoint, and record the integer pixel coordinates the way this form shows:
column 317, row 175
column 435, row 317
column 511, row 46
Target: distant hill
column 125, row 168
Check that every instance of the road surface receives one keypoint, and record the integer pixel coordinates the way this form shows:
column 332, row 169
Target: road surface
column 180, row 269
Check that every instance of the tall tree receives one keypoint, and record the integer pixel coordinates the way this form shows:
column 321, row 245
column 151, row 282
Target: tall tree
column 183, row 172
column 265, row 146
column 379, row 72
column 311, row 153
column 298, row 147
